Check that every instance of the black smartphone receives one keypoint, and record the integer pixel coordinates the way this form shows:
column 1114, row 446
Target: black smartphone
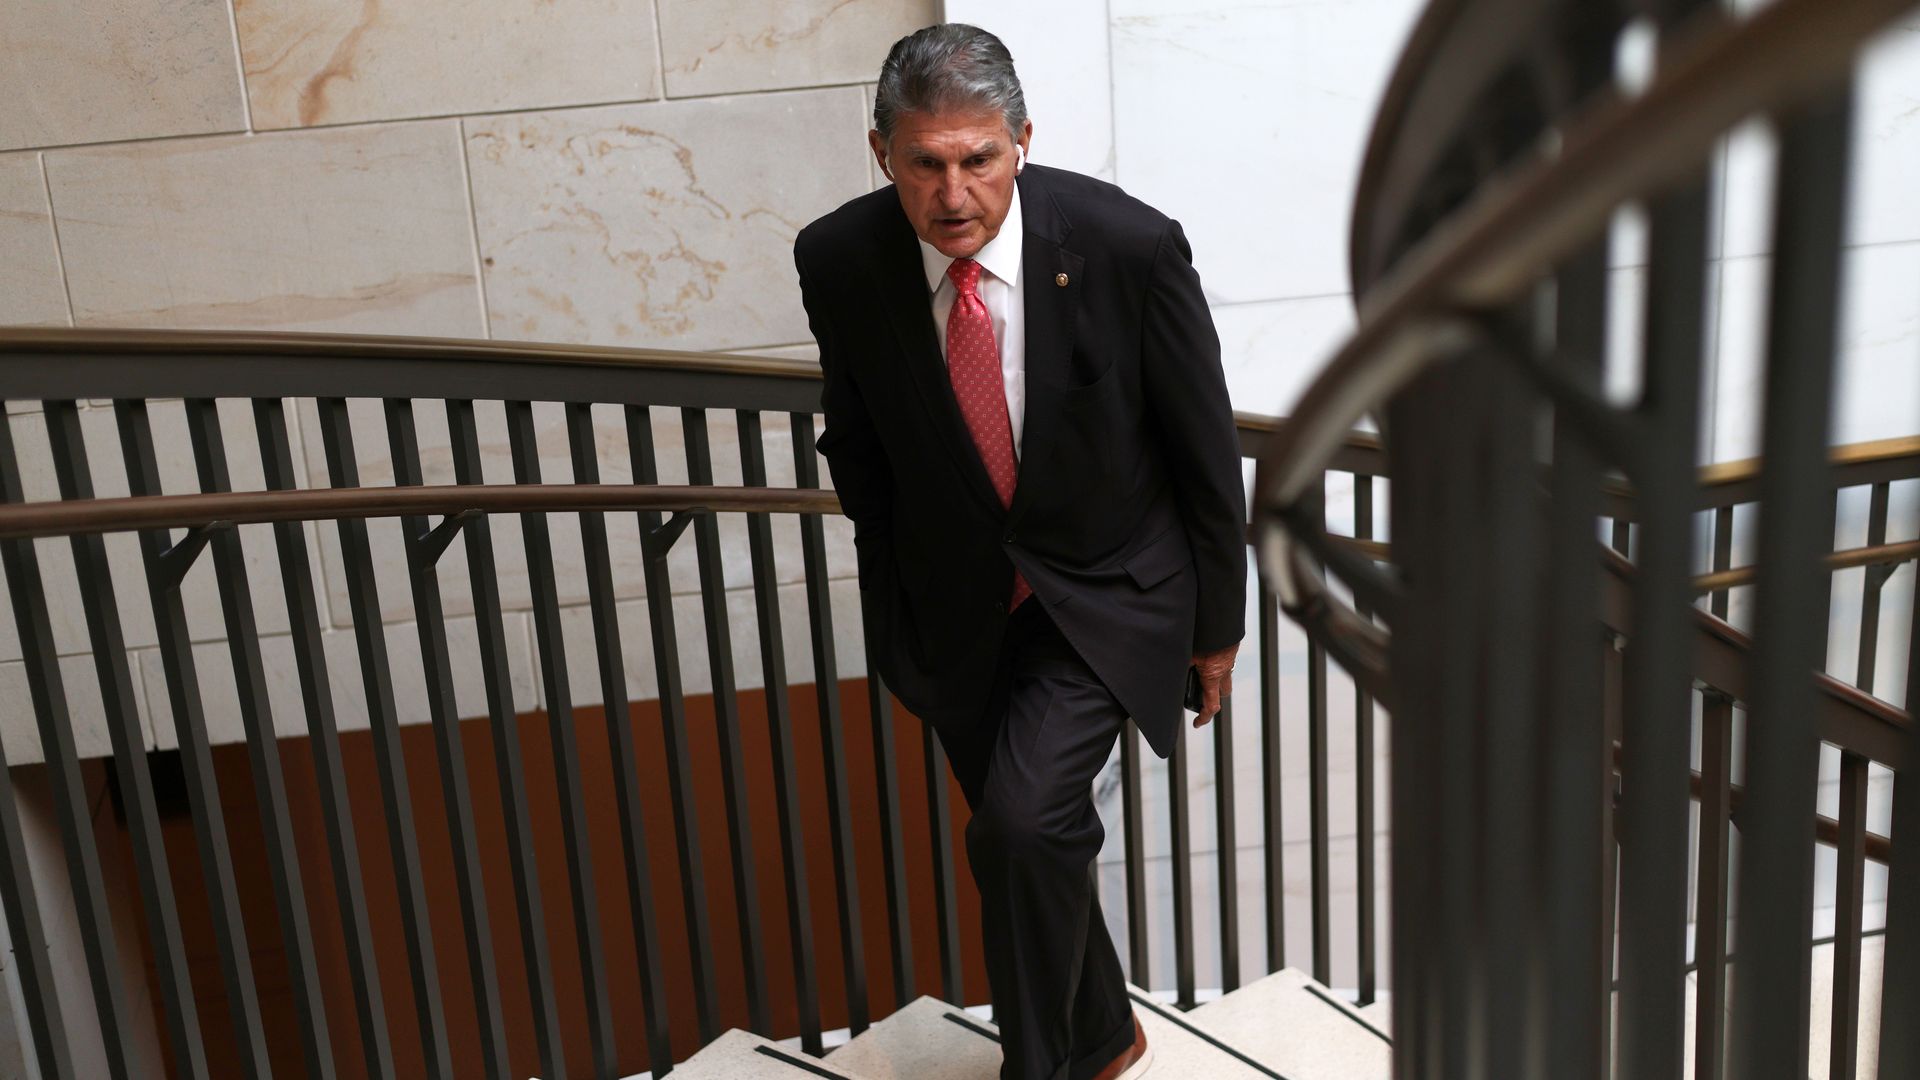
column 1196, row 694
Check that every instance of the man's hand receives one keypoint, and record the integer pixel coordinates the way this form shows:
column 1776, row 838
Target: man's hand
column 1216, row 680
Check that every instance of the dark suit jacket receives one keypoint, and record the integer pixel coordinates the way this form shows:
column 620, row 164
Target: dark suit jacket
column 1129, row 515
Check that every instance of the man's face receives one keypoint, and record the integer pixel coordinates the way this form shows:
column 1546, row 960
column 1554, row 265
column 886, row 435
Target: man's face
column 954, row 174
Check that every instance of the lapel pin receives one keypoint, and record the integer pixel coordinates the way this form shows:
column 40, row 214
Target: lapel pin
column 1060, row 280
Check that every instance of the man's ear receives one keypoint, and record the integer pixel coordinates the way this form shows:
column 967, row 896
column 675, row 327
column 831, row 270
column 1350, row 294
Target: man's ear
column 879, row 147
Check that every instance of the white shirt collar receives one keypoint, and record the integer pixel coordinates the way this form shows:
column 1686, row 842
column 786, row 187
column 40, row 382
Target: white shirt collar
column 1001, row 256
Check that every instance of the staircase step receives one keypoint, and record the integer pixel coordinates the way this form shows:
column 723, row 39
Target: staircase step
column 926, row 1040
column 742, row 1055
column 1184, row 1049
column 1299, row 1029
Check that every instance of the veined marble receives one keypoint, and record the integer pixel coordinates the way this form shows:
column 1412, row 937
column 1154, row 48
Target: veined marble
column 81, row 71
column 1272, row 350
column 87, row 715
column 550, row 432
column 720, row 48
column 1885, row 155
column 667, row 224
column 362, row 230
column 310, row 62
column 1062, row 51
column 1248, row 124
column 30, row 290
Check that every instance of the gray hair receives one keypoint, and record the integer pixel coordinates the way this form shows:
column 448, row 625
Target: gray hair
column 951, row 65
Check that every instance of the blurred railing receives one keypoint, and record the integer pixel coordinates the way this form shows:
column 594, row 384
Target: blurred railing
column 1520, row 657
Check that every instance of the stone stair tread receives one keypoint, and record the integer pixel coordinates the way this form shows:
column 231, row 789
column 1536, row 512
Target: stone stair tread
column 928, row 1039
column 1184, row 1049
column 742, row 1055
column 1299, row 1029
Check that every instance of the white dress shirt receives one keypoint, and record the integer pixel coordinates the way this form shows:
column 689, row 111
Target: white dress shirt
column 999, row 289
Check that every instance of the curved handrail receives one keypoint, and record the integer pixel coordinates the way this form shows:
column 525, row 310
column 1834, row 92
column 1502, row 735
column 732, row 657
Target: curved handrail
column 155, row 342
column 70, row 517
column 1524, row 223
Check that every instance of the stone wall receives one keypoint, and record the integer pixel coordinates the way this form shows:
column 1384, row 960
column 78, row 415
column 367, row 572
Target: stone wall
column 614, row 172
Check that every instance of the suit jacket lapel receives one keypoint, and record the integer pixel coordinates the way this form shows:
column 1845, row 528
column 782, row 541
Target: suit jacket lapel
column 1050, row 314
column 901, row 286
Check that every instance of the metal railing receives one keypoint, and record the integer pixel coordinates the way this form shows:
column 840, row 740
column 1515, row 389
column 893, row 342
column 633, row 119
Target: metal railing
column 1502, row 153
column 308, row 418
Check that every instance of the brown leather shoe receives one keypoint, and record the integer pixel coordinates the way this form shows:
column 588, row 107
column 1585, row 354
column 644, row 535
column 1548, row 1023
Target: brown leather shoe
column 1132, row 1062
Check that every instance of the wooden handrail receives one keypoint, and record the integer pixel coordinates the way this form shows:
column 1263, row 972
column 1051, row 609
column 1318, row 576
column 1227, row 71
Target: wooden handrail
column 68, row 517
column 155, row 342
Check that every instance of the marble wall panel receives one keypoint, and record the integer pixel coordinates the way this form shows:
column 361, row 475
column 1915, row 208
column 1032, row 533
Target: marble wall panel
column 220, row 693
column 1062, row 53
column 874, row 175
column 86, row 710
column 667, row 224
column 721, row 48
column 327, row 63
column 510, row 566
column 93, row 70
column 31, row 292
column 1272, row 350
column 60, row 581
column 641, row 674
column 1886, row 154
column 359, row 230
column 409, row 681
column 1879, row 338
column 1248, row 125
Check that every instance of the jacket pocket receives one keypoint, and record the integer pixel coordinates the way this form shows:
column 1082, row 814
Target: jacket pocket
column 1159, row 559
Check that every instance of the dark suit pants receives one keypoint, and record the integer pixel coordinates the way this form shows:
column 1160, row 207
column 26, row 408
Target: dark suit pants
column 1027, row 769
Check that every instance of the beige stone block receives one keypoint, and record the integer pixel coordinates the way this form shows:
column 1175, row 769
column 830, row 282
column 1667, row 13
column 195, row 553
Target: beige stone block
column 60, row 582
column 510, row 569
column 174, row 460
column 641, row 673
column 311, row 63
column 718, row 48
column 667, row 224
column 93, row 70
column 86, row 711
column 402, row 642
column 875, row 177
column 357, row 230
column 220, row 693
column 31, row 293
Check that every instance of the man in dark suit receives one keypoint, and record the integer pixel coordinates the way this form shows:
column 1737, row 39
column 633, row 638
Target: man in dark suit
column 1027, row 422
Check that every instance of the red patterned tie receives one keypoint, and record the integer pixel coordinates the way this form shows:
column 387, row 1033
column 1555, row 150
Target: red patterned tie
column 973, row 363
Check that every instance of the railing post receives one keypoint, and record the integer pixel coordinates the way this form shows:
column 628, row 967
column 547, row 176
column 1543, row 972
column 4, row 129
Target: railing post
column 323, row 733
column 551, row 645
column 826, row 678
column 786, row 795
column 510, row 771
column 673, row 727
column 1776, row 854
column 636, row 862
column 104, row 636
